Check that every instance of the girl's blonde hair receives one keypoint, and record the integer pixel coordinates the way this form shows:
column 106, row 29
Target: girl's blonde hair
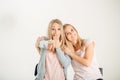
column 62, row 34
column 80, row 41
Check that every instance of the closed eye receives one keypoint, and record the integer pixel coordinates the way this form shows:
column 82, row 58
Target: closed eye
column 72, row 30
column 68, row 34
column 52, row 29
column 59, row 28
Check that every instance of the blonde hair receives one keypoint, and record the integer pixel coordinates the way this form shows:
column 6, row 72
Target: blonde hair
column 80, row 42
column 62, row 34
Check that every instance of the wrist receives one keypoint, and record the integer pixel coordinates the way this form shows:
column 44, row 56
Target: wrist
column 57, row 47
column 71, row 54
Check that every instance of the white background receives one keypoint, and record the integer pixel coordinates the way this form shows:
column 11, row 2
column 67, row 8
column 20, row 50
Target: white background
column 22, row 21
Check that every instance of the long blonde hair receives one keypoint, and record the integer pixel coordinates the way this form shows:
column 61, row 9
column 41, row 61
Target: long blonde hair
column 80, row 42
column 62, row 34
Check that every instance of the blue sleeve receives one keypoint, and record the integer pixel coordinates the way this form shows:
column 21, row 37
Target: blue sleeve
column 64, row 58
column 43, row 44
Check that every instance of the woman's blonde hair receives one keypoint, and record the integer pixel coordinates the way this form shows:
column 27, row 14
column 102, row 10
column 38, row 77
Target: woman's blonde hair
column 61, row 26
column 80, row 41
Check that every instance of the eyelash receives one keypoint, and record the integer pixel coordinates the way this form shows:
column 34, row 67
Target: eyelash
column 72, row 30
column 54, row 29
column 70, row 33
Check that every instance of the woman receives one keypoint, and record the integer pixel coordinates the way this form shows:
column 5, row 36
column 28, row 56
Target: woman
column 53, row 62
column 82, row 53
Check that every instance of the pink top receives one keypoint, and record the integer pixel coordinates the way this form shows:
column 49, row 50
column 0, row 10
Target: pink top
column 83, row 72
column 54, row 70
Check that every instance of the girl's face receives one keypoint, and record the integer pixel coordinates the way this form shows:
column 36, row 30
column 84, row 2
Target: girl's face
column 55, row 31
column 71, row 34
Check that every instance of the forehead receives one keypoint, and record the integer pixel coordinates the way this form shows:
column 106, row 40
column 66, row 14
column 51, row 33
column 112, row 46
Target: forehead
column 56, row 25
column 68, row 28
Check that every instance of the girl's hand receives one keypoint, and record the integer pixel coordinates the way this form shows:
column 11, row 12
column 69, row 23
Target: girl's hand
column 38, row 42
column 39, row 39
column 51, row 45
column 57, row 43
column 68, row 51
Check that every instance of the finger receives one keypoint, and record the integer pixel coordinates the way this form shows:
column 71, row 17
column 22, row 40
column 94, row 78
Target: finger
column 49, row 45
column 61, row 41
column 38, row 39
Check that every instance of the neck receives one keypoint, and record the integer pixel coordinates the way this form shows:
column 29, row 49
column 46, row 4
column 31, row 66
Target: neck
column 74, row 43
column 76, row 47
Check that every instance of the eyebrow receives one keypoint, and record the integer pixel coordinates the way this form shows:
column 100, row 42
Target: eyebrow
column 54, row 26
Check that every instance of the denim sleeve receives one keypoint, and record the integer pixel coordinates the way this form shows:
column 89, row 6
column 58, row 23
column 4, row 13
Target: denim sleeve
column 63, row 58
column 43, row 44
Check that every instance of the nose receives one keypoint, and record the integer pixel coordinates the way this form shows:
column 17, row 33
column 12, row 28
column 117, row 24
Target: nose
column 56, row 31
column 72, row 35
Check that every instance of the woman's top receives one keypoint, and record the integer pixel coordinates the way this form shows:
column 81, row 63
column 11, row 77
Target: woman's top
column 64, row 60
column 54, row 69
column 83, row 72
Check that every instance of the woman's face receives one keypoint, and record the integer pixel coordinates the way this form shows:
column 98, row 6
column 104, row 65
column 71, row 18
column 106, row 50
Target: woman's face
column 55, row 31
column 71, row 34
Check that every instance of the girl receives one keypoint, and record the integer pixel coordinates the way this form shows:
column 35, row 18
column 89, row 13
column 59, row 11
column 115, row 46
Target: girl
column 53, row 62
column 82, row 53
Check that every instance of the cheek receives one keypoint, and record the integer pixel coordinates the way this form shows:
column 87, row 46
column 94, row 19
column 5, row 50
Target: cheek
column 59, row 32
column 76, row 35
column 52, row 32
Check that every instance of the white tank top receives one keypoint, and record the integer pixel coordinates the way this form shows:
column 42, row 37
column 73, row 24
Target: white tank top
column 83, row 72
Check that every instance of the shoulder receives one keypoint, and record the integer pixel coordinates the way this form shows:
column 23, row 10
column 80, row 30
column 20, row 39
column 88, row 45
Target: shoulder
column 88, row 42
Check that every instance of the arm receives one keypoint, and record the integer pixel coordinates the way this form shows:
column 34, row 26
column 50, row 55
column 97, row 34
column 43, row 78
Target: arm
column 87, row 59
column 64, row 59
column 43, row 44
column 37, row 43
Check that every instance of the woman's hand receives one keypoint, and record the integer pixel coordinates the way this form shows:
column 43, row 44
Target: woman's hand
column 68, row 51
column 37, row 43
column 51, row 45
column 57, row 43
